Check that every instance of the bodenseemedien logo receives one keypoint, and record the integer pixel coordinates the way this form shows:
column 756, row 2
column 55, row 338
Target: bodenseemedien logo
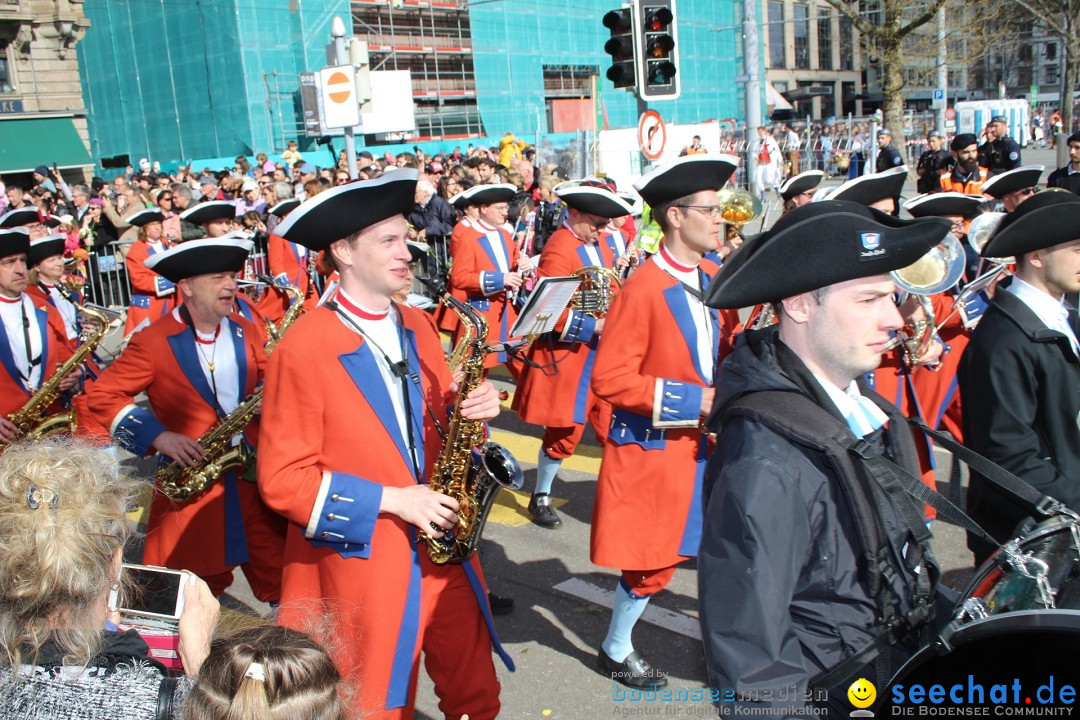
column 862, row 694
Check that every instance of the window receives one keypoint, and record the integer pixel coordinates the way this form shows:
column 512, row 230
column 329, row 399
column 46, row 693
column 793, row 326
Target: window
column 776, row 34
column 828, row 105
column 847, row 45
column 847, row 94
column 824, row 40
column 7, row 84
column 1051, row 51
column 1051, row 76
column 802, row 36
column 1025, row 53
column 956, row 79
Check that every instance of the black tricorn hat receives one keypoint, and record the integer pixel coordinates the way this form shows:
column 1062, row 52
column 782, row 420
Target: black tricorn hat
column 943, row 203
column 208, row 211
column 284, row 207
column 803, row 182
column 27, row 216
column 1012, row 180
column 14, row 241
column 341, row 211
column 598, row 201
column 145, row 217
column 200, row 257
column 870, row 188
column 685, row 176
column 1042, row 221
column 817, row 245
column 45, row 247
column 489, row 194
column 460, row 201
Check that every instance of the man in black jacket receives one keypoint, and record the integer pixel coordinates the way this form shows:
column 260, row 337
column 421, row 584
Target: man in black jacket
column 1020, row 377
column 803, row 551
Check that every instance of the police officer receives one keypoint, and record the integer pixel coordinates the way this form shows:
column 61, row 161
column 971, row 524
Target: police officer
column 931, row 163
column 1068, row 176
column 966, row 174
column 1000, row 152
column 888, row 157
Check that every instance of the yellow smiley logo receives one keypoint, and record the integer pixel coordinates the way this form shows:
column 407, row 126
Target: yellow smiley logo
column 861, row 693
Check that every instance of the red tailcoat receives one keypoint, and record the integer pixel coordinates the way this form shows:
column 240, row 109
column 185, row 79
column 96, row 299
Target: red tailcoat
column 649, row 487
column 447, row 319
column 288, row 265
column 55, row 350
column 205, row 535
column 152, row 296
column 324, row 469
column 476, row 274
column 557, row 394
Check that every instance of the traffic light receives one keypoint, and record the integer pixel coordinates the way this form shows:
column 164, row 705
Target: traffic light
column 358, row 58
column 622, row 47
column 658, row 77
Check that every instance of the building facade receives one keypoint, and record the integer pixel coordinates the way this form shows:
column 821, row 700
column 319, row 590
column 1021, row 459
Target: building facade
column 42, row 116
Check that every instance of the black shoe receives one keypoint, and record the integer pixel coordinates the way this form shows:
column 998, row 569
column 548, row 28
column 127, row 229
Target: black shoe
column 543, row 512
column 635, row 671
column 500, row 605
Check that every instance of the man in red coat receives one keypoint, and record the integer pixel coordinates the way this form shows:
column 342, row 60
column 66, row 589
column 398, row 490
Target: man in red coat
column 487, row 266
column 33, row 342
column 553, row 390
column 365, row 388
column 657, row 364
column 196, row 365
column 289, row 265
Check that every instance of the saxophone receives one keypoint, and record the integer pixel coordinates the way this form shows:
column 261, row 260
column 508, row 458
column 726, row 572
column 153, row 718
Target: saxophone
column 468, row 469
column 219, row 454
column 32, row 419
column 274, row 332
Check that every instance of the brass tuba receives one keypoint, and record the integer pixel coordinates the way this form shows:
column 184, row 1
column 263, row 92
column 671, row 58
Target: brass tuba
column 596, row 291
column 938, row 270
column 979, row 231
column 738, row 207
column 468, row 469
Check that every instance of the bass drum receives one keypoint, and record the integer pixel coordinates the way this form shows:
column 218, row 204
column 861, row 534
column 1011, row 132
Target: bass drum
column 1018, row 618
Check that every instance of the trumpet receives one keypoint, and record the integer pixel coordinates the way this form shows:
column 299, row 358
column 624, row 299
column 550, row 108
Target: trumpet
column 938, row 270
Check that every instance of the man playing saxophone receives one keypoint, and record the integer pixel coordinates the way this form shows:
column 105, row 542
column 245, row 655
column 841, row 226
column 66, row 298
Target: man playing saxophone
column 350, row 468
column 196, row 365
column 34, row 341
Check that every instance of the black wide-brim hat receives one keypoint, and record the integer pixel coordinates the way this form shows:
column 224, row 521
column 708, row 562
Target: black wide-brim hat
column 803, row 182
column 14, row 241
column 27, row 216
column 597, row 201
column 1012, row 180
column 347, row 209
column 944, row 203
column 871, row 188
column 200, row 257
column 44, row 248
column 817, row 245
column 145, row 217
column 489, row 194
column 1042, row 221
column 284, row 207
column 685, row 176
column 209, row 211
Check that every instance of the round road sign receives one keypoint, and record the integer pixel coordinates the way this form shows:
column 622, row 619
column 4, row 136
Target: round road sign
column 652, row 134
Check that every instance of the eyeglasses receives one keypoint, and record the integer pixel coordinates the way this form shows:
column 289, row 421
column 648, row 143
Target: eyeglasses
column 1027, row 191
column 165, row 197
column 710, row 210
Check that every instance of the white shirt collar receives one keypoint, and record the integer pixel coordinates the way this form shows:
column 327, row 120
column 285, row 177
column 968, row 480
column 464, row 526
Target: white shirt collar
column 846, row 400
column 1045, row 306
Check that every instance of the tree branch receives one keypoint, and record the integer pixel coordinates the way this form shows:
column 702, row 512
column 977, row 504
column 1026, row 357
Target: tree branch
column 864, row 26
column 929, row 14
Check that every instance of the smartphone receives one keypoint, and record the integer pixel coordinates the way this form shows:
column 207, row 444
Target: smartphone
column 154, row 592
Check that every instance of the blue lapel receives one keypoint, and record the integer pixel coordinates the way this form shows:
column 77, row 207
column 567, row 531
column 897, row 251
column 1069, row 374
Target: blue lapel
column 364, row 372
column 416, row 398
column 8, row 359
column 583, row 254
column 485, row 243
column 240, row 351
column 43, row 330
column 680, row 310
column 183, row 347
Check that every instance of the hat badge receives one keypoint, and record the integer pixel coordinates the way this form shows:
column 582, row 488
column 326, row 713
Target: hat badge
column 871, row 241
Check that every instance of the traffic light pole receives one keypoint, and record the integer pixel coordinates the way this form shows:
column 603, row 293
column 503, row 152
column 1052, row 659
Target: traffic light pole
column 341, row 57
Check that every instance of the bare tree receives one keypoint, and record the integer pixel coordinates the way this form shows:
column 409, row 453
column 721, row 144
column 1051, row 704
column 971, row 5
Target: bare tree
column 1063, row 18
column 883, row 34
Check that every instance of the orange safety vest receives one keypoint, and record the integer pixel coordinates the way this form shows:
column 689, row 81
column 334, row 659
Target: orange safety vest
column 971, row 187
